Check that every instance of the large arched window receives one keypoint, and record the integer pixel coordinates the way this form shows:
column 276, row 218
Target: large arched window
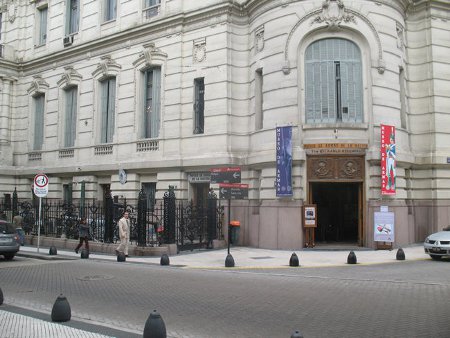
column 333, row 82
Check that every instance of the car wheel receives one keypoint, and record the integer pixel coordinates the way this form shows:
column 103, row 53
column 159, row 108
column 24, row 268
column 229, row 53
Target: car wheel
column 9, row 257
column 436, row 257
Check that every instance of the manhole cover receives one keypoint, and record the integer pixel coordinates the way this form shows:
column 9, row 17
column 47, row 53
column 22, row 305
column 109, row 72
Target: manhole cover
column 96, row 277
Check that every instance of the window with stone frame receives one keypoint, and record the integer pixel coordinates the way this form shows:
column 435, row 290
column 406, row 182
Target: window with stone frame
column 199, row 106
column 333, row 82
column 151, row 8
column 73, row 16
column 152, row 100
column 107, row 109
column 259, row 116
column 42, row 26
column 70, row 116
column 110, row 10
column 39, row 106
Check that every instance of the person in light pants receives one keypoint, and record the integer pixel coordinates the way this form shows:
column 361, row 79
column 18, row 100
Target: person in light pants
column 124, row 234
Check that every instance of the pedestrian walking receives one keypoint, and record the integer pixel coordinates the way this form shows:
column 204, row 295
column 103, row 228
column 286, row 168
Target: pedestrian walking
column 124, row 234
column 18, row 224
column 83, row 231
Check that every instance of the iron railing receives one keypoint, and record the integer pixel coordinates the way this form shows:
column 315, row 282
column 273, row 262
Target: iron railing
column 169, row 221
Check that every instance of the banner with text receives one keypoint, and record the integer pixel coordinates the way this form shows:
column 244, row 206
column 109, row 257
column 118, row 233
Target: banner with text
column 284, row 161
column 388, row 160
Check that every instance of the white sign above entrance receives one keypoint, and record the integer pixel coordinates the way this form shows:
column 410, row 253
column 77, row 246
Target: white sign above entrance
column 200, row 177
column 335, row 148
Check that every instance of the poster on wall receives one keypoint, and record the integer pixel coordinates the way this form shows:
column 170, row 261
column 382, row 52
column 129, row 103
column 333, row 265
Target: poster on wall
column 388, row 160
column 383, row 227
column 310, row 219
column 284, row 161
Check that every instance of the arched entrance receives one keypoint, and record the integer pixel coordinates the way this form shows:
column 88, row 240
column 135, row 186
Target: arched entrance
column 335, row 185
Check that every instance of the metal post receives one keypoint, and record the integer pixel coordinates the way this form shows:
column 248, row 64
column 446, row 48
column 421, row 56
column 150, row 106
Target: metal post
column 229, row 222
column 82, row 199
column 39, row 223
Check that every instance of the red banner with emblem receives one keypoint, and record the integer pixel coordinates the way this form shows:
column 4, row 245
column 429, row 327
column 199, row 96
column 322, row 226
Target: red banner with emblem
column 388, row 160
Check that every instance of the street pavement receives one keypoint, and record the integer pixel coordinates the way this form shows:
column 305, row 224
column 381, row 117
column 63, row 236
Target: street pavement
column 19, row 323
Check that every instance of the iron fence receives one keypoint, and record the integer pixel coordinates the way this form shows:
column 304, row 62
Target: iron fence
column 169, row 221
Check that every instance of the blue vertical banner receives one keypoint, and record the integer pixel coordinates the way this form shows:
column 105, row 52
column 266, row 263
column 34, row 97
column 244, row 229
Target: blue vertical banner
column 284, row 161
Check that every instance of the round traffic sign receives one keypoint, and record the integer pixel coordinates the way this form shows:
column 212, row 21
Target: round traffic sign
column 41, row 180
column 40, row 185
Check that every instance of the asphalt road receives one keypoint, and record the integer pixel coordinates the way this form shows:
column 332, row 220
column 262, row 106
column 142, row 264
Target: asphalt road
column 411, row 299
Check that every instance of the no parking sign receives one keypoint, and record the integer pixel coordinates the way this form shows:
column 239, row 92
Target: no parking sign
column 40, row 187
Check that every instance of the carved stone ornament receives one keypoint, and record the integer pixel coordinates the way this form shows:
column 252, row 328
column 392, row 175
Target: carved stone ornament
column 349, row 169
column 199, row 50
column 106, row 67
column 38, row 85
column 335, row 168
column 12, row 11
column 322, row 168
column 400, row 37
column 149, row 55
column 70, row 77
column 259, row 39
column 333, row 13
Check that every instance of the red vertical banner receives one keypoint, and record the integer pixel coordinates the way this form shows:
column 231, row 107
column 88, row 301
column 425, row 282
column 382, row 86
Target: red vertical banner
column 388, row 160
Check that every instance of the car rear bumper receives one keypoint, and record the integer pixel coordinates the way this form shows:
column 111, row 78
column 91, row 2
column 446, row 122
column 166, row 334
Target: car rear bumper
column 9, row 249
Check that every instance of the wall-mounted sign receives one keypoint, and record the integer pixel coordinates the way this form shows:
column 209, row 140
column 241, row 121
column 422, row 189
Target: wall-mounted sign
column 233, row 191
column 225, row 175
column 335, row 148
column 200, row 177
column 122, row 176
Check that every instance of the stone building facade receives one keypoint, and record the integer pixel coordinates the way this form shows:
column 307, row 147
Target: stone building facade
column 124, row 95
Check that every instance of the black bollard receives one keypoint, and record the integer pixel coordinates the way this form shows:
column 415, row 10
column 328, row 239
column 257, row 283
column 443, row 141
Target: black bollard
column 400, row 254
column 154, row 326
column 1, row 296
column 351, row 259
column 121, row 257
column 52, row 251
column 229, row 261
column 61, row 310
column 296, row 334
column 165, row 260
column 293, row 261
column 84, row 254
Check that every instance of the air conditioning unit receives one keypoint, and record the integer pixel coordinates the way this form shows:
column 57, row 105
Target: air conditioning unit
column 68, row 40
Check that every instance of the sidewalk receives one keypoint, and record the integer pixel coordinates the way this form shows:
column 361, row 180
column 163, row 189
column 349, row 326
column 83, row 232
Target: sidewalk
column 18, row 322
column 251, row 258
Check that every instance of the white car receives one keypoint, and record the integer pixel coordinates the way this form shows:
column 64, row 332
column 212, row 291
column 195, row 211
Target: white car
column 437, row 245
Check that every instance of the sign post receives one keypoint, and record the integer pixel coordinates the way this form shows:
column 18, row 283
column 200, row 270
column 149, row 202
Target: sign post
column 229, row 188
column 40, row 188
